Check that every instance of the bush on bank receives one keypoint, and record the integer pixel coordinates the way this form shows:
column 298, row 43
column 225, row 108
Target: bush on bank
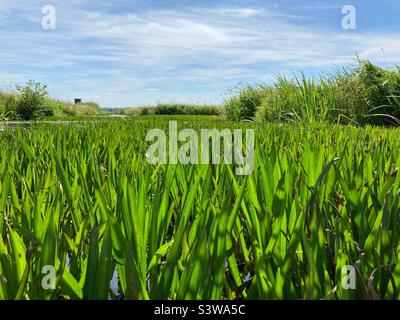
column 31, row 101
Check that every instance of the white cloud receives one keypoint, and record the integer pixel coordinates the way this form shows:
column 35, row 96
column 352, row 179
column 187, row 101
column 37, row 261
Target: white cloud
column 198, row 34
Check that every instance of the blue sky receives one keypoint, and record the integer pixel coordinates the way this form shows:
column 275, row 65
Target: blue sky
column 139, row 52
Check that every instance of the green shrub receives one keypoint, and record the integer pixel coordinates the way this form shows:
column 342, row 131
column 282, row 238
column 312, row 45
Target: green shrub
column 32, row 99
column 45, row 111
column 31, row 102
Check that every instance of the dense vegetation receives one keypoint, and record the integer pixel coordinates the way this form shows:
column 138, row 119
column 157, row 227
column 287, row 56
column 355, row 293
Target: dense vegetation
column 363, row 95
column 32, row 102
column 174, row 109
column 81, row 197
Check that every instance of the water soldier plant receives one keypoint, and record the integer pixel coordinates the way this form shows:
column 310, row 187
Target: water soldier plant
column 81, row 198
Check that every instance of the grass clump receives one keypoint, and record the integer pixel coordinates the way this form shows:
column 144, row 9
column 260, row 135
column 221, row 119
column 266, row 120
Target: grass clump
column 8, row 105
column 245, row 104
column 366, row 94
column 381, row 93
column 300, row 100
